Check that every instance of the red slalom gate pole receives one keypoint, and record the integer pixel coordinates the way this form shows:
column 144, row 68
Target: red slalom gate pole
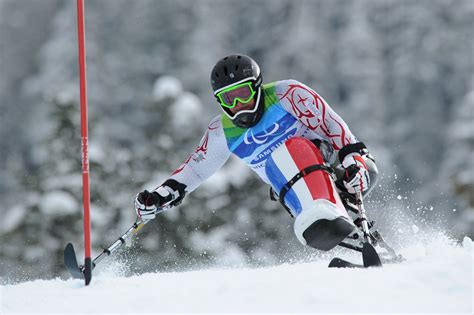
column 84, row 140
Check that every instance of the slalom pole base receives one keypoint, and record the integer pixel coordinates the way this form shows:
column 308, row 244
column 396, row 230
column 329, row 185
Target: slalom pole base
column 76, row 271
column 88, row 270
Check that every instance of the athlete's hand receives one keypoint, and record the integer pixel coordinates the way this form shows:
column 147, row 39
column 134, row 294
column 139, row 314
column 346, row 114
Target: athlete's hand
column 148, row 204
column 356, row 178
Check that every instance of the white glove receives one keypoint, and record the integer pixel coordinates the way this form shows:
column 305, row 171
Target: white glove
column 148, row 204
column 356, row 178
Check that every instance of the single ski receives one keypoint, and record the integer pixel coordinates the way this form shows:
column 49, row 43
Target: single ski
column 369, row 256
column 70, row 261
column 341, row 263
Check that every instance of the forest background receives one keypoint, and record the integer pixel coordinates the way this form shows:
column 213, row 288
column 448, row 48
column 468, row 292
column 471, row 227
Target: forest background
column 399, row 72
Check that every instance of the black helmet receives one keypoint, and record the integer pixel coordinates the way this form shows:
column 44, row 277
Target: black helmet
column 235, row 70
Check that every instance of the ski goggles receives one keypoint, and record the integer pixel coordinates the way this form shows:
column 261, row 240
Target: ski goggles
column 240, row 93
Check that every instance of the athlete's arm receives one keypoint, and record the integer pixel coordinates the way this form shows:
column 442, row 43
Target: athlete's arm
column 313, row 111
column 209, row 156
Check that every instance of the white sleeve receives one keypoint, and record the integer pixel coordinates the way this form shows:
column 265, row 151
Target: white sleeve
column 211, row 153
column 312, row 110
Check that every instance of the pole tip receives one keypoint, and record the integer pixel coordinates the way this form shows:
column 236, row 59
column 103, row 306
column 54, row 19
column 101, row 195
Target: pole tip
column 88, row 270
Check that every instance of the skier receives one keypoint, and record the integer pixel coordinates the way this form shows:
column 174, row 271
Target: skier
column 260, row 120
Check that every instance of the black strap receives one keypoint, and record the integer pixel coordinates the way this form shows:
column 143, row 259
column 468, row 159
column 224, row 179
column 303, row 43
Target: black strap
column 273, row 195
column 176, row 186
column 358, row 147
column 301, row 174
column 317, row 143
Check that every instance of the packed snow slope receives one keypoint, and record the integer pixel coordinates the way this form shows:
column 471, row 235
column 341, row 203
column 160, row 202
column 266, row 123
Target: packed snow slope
column 437, row 277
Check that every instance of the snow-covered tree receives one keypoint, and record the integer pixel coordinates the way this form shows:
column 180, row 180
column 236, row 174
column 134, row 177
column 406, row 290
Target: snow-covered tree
column 398, row 71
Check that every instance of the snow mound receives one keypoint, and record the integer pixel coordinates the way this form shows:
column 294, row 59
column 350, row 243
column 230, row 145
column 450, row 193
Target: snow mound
column 184, row 109
column 437, row 277
column 59, row 203
column 12, row 219
column 166, row 87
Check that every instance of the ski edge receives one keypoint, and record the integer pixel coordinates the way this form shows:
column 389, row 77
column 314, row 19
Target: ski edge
column 370, row 259
column 341, row 263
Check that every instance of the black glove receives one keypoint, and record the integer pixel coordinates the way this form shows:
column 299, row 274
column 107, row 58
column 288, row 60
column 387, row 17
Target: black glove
column 170, row 194
column 147, row 204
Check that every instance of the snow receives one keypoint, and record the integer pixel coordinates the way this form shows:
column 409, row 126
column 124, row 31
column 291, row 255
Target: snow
column 13, row 219
column 59, row 203
column 186, row 107
column 166, row 87
column 437, row 277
